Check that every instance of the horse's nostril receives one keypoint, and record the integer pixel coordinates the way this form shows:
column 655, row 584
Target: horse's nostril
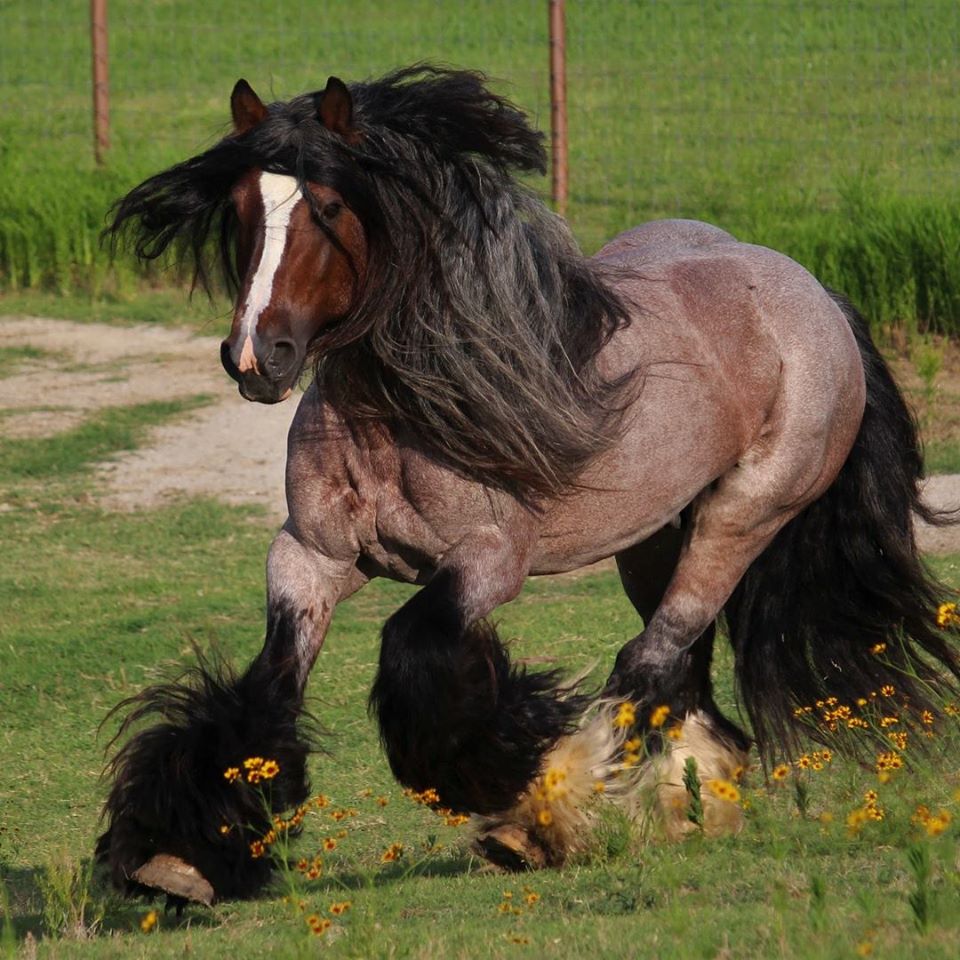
column 227, row 360
column 282, row 358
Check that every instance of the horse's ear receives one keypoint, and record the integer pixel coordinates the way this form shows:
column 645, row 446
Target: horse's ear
column 246, row 107
column 335, row 110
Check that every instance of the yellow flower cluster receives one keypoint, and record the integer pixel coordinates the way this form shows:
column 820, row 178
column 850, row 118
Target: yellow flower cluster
column 430, row 798
column 631, row 752
column 311, row 869
column 659, row 716
column 933, row 823
column 149, row 921
column 815, row 761
column 887, row 762
column 899, row 739
column 319, row 925
column 338, row 909
column 723, row 790
column 870, row 810
column 626, row 715
column 947, row 616
column 392, row 853
column 257, row 769
column 517, row 905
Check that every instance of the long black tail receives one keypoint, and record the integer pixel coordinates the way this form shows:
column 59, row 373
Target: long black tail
column 840, row 605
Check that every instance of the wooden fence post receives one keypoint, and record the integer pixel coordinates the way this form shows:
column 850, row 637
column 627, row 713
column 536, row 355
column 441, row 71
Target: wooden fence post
column 101, row 87
column 558, row 105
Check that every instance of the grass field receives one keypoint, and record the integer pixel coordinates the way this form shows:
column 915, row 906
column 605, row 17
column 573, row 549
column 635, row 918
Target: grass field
column 97, row 604
column 828, row 132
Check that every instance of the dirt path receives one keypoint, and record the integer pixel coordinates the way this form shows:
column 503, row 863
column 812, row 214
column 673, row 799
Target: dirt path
column 231, row 449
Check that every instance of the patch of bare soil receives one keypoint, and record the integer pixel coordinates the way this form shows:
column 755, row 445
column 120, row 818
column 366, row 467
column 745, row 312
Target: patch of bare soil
column 232, row 450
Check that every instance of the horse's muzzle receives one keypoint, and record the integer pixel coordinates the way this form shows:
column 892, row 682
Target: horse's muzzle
column 270, row 381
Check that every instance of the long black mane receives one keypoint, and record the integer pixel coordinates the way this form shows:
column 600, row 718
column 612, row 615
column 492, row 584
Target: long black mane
column 478, row 324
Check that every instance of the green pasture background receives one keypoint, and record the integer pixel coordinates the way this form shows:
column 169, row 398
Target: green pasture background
column 831, row 131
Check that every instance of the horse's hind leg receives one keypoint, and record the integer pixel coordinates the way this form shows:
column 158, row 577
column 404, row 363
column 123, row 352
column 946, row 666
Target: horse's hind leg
column 699, row 729
column 732, row 522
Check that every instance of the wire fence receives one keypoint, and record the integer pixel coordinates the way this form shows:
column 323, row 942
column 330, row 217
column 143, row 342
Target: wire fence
column 722, row 107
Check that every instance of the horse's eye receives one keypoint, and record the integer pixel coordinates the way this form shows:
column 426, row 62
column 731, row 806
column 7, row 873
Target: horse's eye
column 331, row 211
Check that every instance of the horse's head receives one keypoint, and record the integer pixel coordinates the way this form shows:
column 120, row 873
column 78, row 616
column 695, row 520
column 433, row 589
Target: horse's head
column 300, row 257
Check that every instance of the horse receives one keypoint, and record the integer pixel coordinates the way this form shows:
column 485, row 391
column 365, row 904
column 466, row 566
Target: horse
column 488, row 404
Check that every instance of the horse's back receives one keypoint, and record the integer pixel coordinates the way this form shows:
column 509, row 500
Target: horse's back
column 653, row 239
column 699, row 278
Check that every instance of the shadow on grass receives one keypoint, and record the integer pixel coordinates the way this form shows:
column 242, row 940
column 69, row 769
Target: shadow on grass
column 25, row 904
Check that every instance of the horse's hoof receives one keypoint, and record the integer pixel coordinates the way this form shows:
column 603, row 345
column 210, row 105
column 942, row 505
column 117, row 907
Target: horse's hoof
column 175, row 877
column 511, row 848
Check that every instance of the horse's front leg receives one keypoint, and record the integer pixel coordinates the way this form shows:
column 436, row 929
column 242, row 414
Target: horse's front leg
column 193, row 793
column 455, row 716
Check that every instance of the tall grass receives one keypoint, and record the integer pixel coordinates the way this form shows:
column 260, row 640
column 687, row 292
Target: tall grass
column 753, row 116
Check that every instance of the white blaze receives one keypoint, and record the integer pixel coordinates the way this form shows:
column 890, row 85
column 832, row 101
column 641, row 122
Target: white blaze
column 279, row 194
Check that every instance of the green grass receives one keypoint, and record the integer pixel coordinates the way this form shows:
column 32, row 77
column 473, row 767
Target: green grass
column 110, row 431
column 756, row 116
column 13, row 358
column 98, row 604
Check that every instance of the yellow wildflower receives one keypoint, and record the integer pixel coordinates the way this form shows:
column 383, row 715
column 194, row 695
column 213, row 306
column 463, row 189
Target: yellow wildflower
column 544, row 818
column 659, row 716
column 856, row 819
column 723, row 790
column 269, row 769
column 947, row 615
column 231, row 774
column 626, row 715
column 780, row 771
column 393, row 852
column 888, row 761
column 149, row 921
column 337, row 909
column 878, row 648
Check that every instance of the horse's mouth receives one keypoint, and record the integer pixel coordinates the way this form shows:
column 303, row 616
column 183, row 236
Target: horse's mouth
column 259, row 391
